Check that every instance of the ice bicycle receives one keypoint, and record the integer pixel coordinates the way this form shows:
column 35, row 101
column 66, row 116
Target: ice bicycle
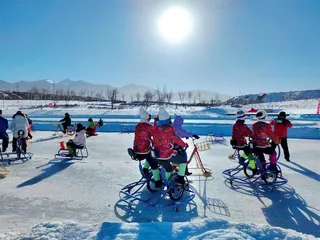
column 269, row 177
column 19, row 154
column 132, row 193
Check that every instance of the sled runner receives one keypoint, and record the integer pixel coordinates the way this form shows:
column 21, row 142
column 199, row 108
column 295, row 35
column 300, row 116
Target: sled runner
column 81, row 152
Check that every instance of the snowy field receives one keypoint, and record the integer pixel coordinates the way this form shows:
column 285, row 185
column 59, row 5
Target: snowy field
column 197, row 119
column 56, row 199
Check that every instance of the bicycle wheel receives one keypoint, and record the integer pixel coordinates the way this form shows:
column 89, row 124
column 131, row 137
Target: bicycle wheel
column 270, row 177
column 151, row 186
column 176, row 192
column 248, row 171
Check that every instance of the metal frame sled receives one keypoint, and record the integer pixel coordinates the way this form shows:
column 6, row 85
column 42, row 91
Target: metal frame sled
column 7, row 156
column 135, row 194
column 269, row 177
column 81, row 153
column 215, row 139
column 202, row 146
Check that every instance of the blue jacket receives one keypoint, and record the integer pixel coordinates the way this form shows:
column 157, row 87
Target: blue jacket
column 177, row 124
column 3, row 127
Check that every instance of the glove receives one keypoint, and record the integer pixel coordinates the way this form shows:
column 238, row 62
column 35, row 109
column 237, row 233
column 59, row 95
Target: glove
column 195, row 136
column 186, row 146
column 156, row 118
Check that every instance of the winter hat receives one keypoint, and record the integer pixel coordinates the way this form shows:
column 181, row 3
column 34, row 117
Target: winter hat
column 261, row 115
column 241, row 115
column 144, row 115
column 282, row 114
column 163, row 114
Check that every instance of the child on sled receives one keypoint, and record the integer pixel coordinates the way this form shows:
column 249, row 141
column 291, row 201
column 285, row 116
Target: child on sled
column 78, row 142
column 92, row 127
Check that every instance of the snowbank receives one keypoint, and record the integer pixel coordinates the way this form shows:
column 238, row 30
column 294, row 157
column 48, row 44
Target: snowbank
column 202, row 229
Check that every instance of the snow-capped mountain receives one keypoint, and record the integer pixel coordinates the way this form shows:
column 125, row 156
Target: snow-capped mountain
column 275, row 97
column 127, row 92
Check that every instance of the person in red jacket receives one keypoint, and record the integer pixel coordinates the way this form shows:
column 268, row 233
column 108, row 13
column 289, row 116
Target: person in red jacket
column 143, row 140
column 169, row 146
column 262, row 132
column 239, row 133
column 281, row 125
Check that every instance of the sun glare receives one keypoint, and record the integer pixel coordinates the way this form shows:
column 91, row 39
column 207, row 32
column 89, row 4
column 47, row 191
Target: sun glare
column 175, row 24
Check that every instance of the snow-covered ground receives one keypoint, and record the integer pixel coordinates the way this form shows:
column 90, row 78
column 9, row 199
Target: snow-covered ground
column 47, row 194
column 55, row 199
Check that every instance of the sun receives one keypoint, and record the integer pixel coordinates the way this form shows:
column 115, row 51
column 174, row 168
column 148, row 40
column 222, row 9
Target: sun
column 175, row 24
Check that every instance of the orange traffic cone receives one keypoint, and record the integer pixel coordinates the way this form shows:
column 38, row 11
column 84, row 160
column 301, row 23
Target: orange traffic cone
column 62, row 146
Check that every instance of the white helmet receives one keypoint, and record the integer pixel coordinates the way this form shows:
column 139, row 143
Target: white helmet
column 261, row 114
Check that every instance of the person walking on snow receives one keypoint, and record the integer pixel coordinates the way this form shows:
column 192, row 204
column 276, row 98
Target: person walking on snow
column 169, row 146
column 177, row 124
column 262, row 131
column 3, row 132
column 143, row 140
column 281, row 125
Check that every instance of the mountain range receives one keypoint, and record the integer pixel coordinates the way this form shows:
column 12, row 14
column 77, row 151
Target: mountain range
column 127, row 92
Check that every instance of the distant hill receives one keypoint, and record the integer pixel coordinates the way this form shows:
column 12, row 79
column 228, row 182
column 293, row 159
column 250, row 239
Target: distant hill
column 274, row 97
column 127, row 92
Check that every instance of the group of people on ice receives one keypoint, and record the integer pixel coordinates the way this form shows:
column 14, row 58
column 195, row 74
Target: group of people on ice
column 261, row 132
column 164, row 137
column 81, row 132
column 21, row 123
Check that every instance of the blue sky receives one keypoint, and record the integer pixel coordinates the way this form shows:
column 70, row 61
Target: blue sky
column 236, row 46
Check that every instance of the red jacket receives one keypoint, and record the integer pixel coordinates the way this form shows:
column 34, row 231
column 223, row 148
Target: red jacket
column 281, row 127
column 165, row 138
column 143, row 138
column 262, row 131
column 239, row 133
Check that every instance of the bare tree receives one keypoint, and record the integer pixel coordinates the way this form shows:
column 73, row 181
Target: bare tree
column 182, row 95
column 148, row 97
column 112, row 95
column 131, row 98
column 199, row 96
column 217, row 98
column 169, row 96
column 190, row 96
column 161, row 95
column 122, row 97
column 138, row 96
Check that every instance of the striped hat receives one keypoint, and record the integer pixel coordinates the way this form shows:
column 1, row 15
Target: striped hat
column 241, row 115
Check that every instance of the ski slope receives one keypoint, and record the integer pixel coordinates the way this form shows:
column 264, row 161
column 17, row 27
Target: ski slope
column 53, row 199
